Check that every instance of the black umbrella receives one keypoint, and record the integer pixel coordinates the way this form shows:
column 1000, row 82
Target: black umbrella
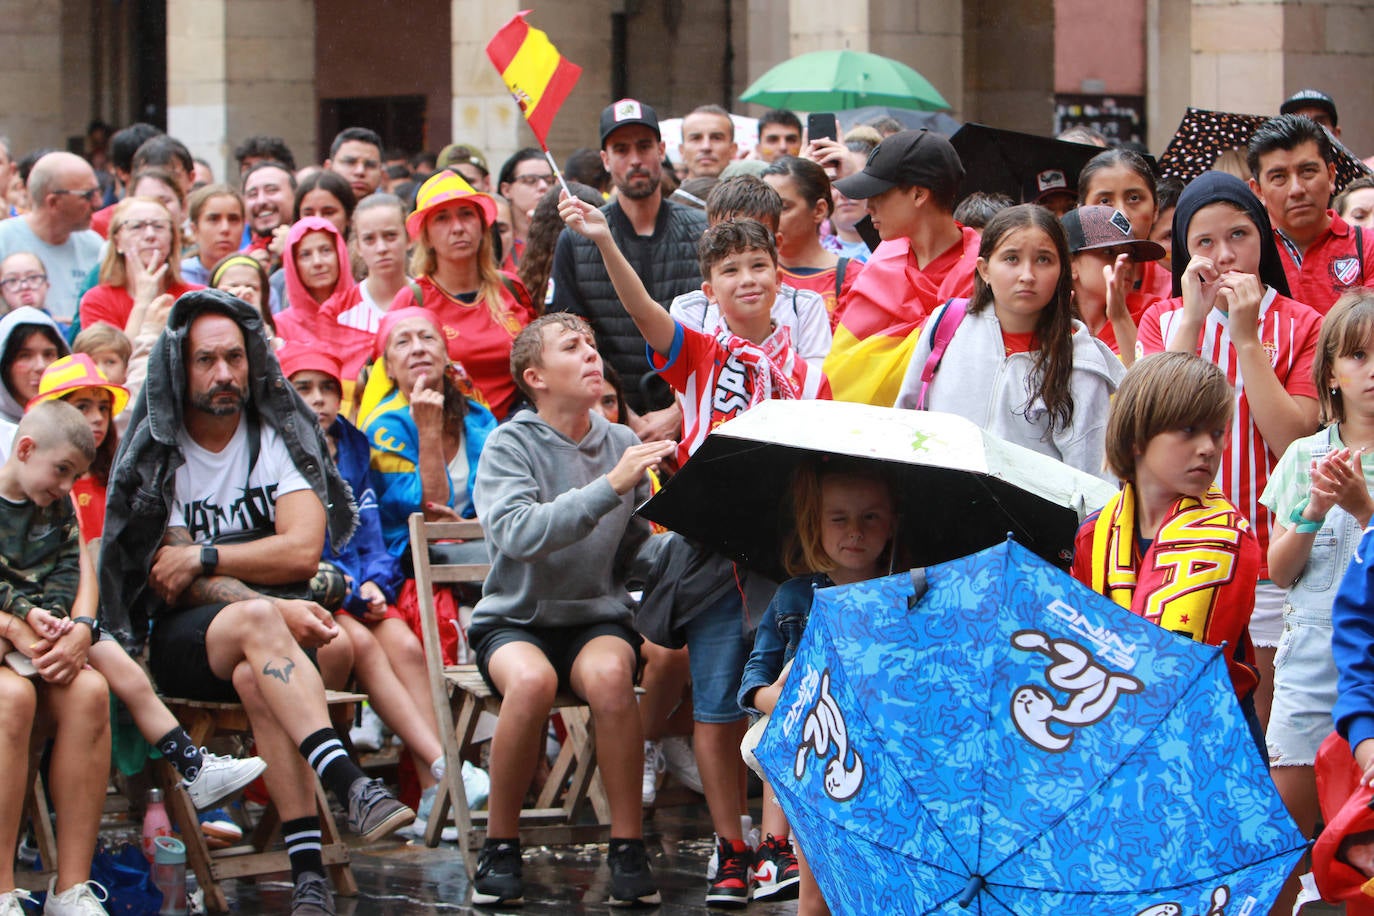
column 960, row 489
column 938, row 121
column 1204, row 135
column 1016, row 164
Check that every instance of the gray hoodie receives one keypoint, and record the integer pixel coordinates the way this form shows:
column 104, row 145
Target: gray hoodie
column 559, row 535
column 10, row 408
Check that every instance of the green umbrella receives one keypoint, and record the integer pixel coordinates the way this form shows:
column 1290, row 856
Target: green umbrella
column 841, row 80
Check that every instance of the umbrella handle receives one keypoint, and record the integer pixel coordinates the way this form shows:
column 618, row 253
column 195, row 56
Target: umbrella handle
column 975, row 884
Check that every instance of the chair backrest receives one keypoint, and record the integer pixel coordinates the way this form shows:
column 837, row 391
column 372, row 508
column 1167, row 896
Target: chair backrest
column 429, row 574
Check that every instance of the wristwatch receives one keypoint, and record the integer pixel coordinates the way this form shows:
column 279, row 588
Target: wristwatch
column 209, row 560
column 92, row 623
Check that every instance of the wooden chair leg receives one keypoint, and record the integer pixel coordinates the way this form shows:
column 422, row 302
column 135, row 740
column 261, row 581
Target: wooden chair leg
column 43, row 834
column 332, row 841
column 183, row 815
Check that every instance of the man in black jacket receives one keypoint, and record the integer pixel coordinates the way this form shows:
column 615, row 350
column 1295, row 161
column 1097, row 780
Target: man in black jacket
column 658, row 237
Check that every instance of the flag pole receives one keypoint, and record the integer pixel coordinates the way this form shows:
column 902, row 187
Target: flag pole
column 554, row 165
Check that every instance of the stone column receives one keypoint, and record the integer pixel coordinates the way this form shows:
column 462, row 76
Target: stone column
column 235, row 70
column 31, row 75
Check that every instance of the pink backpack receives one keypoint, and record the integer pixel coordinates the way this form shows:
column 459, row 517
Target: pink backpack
column 943, row 332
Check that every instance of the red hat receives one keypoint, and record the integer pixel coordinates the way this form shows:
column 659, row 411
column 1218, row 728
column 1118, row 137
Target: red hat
column 298, row 357
column 445, row 188
column 72, row 373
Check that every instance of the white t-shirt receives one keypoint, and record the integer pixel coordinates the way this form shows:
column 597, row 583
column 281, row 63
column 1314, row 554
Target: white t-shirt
column 216, row 495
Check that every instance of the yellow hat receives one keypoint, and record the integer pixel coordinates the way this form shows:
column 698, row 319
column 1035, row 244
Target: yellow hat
column 445, row 188
column 72, row 373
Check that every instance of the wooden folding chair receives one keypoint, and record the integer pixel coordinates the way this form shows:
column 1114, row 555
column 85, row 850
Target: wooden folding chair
column 202, row 721
column 461, row 695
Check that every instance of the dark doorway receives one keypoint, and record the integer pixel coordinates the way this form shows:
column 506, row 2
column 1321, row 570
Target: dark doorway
column 149, row 74
column 399, row 119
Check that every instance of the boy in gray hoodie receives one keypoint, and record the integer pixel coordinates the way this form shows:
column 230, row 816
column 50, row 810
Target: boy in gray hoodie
column 555, row 492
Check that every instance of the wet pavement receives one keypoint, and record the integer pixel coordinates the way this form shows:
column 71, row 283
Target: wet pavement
column 396, row 878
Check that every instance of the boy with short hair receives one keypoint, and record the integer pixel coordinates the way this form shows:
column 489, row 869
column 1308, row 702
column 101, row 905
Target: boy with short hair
column 41, row 566
column 801, row 311
column 556, row 491
column 717, row 377
column 110, row 349
column 1165, row 435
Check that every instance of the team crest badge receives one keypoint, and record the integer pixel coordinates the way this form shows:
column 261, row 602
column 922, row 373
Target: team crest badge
column 1345, row 271
column 1120, row 221
column 626, row 109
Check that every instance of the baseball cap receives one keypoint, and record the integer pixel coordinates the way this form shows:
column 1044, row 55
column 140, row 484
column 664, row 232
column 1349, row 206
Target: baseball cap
column 461, row 154
column 1096, row 226
column 908, row 158
column 624, row 113
column 1310, row 98
column 1044, row 183
column 296, row 356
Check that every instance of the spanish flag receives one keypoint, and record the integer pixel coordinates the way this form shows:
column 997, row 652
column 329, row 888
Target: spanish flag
column 537, row 75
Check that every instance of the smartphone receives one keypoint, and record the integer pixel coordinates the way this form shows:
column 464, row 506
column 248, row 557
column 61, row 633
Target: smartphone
column 820, row 126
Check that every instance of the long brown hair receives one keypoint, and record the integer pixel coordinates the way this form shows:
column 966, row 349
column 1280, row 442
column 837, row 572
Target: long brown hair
column 490, row 289
column 1054, row 326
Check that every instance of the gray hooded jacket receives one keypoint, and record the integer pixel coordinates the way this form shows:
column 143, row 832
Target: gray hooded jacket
column 143, row 480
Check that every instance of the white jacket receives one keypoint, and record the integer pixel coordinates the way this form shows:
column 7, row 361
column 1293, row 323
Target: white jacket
column 978, row 381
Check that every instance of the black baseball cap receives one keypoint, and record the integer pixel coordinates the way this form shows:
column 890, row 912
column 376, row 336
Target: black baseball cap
column 1310, row 98
column 624, row 113
column 908, row 158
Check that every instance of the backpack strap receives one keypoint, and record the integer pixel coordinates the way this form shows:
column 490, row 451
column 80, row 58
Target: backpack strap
column 415, row 291
column 1359, row 249
column 942, row 332
column 839, row 278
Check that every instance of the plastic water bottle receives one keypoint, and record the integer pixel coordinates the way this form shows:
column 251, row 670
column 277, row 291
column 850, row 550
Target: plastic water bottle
column 155, row 823
column 169, row 874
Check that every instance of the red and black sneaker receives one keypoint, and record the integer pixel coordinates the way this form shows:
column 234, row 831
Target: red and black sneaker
column 776, row 873
column 734, row 864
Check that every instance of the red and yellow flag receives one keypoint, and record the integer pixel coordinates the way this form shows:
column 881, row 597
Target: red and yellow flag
column 537, row 75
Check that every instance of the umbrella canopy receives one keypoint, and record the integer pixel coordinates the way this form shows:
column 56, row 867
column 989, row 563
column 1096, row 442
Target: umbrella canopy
column 959, row 488
column 840, row 80
column 1006, row 162
column 937, row 121
column 1203, row 135
column 1014, row 743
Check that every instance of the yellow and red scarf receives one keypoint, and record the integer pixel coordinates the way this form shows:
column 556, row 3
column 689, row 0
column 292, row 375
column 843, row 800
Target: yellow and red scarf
column 1197, row 578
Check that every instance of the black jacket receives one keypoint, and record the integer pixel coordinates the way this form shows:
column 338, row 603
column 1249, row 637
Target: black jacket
column 143, row 480
column 667, row 265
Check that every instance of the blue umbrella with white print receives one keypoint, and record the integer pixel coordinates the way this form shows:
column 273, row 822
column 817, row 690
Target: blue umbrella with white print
column 989, row 736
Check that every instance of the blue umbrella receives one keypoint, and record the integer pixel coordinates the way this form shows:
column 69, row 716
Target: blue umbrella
column 1012, row 743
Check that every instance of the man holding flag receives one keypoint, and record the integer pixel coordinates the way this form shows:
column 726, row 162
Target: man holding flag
column 658, row 237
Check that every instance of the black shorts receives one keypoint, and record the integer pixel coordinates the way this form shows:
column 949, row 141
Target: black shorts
column 560, row 645
column 178, row 660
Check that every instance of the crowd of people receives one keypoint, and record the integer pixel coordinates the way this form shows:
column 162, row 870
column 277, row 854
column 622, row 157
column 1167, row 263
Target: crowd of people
column 221, row 402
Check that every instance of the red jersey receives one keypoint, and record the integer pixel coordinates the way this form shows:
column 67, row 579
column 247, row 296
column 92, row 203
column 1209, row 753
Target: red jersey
column 113, row 304
column 822, row 280
column 715, row 385
column 476, row 338
column 1331, row 265
column 1288, row 332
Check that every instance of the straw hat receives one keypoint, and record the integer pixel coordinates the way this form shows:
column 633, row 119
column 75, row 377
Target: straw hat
column 443, row 189
column 72, row 373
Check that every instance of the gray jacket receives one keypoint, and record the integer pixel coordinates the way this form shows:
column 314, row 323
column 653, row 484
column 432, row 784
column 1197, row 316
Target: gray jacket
column 561, row 539
column 143, row 480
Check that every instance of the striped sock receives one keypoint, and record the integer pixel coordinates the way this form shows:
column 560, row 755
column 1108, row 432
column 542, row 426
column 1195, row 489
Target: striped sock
column 302, row 837
column 326, row 755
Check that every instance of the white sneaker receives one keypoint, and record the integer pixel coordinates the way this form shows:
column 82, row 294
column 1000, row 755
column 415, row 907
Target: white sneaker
column 12, row 903
column 681, row 761
column 653, row 767
column 368, row 735
column 220, row 777
column 83, row 899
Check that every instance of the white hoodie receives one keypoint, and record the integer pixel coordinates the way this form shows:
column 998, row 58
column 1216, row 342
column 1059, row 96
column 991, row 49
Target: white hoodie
column 978, row 381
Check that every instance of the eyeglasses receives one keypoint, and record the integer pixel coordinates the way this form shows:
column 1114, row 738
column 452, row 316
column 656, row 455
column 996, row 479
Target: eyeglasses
column 89, row 196
column 531, row 181
column 139, row 225
column 28, row 281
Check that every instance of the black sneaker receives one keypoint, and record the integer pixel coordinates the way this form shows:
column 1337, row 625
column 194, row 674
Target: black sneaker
column 499, row 874
column 730, row 887
column 373, row 812
column 632, row 883
column 776, row 873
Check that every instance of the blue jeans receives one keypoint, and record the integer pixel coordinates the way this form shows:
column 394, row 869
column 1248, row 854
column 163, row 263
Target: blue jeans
column 717, row 650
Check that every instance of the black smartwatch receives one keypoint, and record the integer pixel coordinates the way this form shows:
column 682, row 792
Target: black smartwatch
column 209, row 560
column 92, row 623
